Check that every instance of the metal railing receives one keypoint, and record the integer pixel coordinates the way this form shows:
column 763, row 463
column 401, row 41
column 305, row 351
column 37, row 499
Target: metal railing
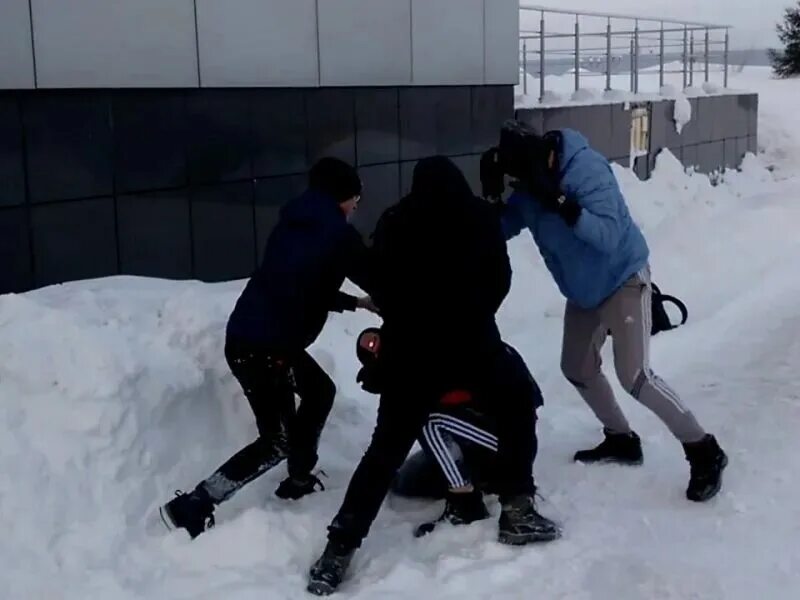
column 595, row 44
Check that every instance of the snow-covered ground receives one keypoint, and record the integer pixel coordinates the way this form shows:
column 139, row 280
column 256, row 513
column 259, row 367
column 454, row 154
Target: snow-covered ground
column 114, row 393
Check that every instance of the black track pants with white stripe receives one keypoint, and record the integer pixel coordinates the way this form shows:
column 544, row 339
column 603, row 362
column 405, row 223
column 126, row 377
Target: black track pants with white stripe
column 447, row 431
column 628, row 316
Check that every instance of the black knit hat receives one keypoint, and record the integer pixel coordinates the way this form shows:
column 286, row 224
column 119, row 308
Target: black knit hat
column 335, row 178
column 522, row 149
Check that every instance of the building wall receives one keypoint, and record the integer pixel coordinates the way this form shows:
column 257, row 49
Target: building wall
column 256, row 43
column 722, row 130
column 187, row 183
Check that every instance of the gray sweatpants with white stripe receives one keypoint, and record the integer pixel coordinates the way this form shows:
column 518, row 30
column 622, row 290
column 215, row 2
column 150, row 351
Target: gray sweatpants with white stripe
column 628, row 316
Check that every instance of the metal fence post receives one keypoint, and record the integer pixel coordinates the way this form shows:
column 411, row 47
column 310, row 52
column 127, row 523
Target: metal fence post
column 661, row 57
column 525, row 67
column 577, row 54
column 541, row 59
column 691, row 60
column 705, row 53
column 608, row 55
column 636, row 58
column 727, row 41
column 685, row 56
column 633, row 66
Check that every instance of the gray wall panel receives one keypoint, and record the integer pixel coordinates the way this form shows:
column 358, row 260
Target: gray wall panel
column 16, row 53
column 258, row 42
column 448, row 42
column 365, row 42
column 502, row 42
column 115, row 43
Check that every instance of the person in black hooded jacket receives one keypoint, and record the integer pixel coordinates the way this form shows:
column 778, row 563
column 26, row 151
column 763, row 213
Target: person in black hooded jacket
column 281, row 311
column 440, row 271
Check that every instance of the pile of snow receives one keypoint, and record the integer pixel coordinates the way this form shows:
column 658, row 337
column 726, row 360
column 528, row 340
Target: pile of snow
column 584, row 95
column 682, row 113
column 114, row 392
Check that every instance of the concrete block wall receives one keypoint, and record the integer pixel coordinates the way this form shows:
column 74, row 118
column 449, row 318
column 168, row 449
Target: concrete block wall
column 722, row 130
column 256, row 43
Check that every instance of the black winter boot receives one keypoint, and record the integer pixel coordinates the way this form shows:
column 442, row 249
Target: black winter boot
column 193, row 512
column 707, row 461
column 328, row 572
column 460, row 509
column 520, row 524
column 621, row 448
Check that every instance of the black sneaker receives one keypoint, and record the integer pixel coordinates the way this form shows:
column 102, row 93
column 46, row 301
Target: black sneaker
column 621, row 448
column 193, row 512
column 520, row 524
column 327, row 573
column 460, row 509
column 707, row 461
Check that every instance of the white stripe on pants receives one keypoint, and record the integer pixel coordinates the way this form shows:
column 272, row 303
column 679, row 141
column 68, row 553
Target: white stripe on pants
column 435, row 434
column 628, row 317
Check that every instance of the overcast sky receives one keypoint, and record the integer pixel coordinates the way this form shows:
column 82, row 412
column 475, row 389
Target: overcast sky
column 754, row 20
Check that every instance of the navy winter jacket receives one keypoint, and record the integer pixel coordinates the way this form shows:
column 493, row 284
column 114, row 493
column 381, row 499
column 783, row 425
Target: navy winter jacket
column 308, row 255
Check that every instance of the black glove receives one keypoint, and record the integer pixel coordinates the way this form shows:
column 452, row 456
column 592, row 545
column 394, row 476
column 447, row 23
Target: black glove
column 542, row 185
column 369, row 377
column 293, row 488
column 492, row 175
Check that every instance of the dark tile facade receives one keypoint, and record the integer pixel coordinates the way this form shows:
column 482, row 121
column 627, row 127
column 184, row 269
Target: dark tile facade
column 219, row 135
column 16, row 274
column 149, row 141
column 377, row 125
column 155, row 234
column 12, row 168
column 279, row 138
column 69, row 145
column 189, row 183
column 74, row 240
column 223, row 227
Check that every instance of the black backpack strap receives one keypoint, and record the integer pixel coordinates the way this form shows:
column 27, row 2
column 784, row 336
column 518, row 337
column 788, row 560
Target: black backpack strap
column 681, row 306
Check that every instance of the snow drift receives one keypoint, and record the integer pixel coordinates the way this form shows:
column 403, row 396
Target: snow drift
column 114, row 392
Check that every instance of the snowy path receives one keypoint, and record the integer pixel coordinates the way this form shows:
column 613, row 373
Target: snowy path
column 113, row 393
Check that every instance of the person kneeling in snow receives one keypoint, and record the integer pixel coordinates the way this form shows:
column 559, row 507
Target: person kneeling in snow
column 459, row 443
column 279, row 314
column 569, row 199
column 440, row 272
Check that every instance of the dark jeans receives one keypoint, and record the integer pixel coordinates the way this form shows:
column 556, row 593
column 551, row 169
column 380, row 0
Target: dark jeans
column 504, row 380
column 270, row 384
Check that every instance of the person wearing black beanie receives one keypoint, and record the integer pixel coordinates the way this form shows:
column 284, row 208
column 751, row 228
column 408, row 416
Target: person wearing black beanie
column 336, row 179
column 280, row 312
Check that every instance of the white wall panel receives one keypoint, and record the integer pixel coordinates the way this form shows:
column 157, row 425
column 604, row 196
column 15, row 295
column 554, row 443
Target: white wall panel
column 258, row 42
column 448, row 42
column 115, row 43
column 502, row 41
column 16, row 55
column 365, row 42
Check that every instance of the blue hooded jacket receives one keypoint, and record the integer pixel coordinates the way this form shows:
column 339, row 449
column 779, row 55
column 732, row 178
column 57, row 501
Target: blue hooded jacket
column 308, row 255
column 590, row 261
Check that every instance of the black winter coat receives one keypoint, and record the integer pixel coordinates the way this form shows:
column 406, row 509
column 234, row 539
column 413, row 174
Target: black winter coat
column 440, row 271
column 308, row 255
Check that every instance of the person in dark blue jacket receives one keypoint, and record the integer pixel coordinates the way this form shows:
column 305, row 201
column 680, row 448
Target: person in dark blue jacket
column 567, row 197
column 281, row 311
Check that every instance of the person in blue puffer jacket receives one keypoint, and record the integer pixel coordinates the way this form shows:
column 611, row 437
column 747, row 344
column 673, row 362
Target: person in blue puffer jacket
column 567, row 197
